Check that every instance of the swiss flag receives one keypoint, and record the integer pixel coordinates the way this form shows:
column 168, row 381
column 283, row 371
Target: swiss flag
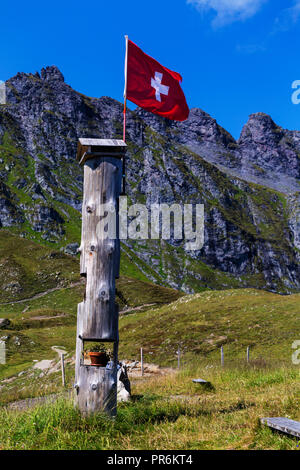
column 153, row 87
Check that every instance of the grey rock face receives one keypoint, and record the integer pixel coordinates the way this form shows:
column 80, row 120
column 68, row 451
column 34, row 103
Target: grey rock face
column 72, row 249
column 249, row 187
column 9, row 211
column 51, row 73
column 47, row 220
column 267, row 145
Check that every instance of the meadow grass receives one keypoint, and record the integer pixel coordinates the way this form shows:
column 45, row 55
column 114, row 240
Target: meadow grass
column 170, row 412
column 167, row 411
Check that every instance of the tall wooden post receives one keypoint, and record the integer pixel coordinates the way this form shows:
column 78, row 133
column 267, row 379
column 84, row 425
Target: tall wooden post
column 97, row 315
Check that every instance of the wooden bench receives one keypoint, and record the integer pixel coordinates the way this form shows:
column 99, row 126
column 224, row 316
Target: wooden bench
column 288, row 426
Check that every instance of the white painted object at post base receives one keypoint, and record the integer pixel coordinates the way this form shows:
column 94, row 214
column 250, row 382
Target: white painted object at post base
column 123, row 384
column 2, row 92
column 2, row 352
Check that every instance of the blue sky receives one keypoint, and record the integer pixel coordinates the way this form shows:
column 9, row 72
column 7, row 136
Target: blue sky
column 236, row 57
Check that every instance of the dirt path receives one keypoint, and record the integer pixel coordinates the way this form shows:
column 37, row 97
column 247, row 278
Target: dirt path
column 31, row 402
column 151, row 370
column 42, row 294
column 133, row 309
column 74, row 284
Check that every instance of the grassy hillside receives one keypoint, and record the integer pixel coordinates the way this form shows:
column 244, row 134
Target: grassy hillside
column 199, row 323
column 203, row 322
column 28, row 268
column 41, row 288
column 38, row 324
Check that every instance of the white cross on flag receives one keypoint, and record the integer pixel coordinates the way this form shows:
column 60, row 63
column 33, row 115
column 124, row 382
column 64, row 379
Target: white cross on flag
column 157, row 85
column 153, row 87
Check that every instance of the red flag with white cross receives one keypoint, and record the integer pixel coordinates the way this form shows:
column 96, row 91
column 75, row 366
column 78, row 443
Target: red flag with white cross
column 152, row 86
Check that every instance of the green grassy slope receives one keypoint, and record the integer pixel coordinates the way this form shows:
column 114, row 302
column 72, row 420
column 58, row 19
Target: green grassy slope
column 168, row 412
column 201, row 323
column 29, row 269
column 41, row 323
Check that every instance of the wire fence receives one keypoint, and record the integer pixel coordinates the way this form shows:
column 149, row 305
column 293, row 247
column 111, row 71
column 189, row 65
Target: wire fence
column 181, row 357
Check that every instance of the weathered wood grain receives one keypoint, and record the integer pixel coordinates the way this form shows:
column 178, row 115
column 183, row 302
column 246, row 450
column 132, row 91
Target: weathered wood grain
column 96, row 390
column 97, row 316
column 99, row 260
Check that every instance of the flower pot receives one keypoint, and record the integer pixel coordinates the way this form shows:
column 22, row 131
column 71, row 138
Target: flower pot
column 99, row 359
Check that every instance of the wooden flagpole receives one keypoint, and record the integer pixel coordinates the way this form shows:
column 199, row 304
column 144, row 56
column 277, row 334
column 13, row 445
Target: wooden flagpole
column 125, row 89
column 124, row 110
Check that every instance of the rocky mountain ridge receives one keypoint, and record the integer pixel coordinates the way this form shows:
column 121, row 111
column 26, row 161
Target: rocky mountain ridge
column 249, row 187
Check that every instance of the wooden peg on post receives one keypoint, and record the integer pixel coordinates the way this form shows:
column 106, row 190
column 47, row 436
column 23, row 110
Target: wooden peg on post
column 97, row 317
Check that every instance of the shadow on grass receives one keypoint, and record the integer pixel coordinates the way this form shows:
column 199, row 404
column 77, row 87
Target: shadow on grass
column 136, row 397
column 205, row 386
column 241, row 405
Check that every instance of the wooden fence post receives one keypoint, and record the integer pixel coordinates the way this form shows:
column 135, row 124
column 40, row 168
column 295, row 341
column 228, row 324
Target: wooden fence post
column 142, row 362
column 178, row 358
column 62, row 362
column 97, row 315
column 222, row 356
column 248, row 353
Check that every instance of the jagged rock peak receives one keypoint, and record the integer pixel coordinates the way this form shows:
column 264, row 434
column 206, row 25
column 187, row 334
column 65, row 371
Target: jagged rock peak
column 260, row 128
column 51, row 73
column 199, row 112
